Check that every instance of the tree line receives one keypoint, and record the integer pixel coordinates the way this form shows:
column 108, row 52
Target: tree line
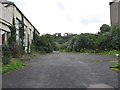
column 108, row 38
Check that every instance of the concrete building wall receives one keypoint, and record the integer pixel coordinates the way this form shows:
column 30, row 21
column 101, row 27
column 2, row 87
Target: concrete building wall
column 10, row 8
column 115, row 13
column 5, row 28
column 6, row 17
column 17, row 14
column 25, row 21
column 0, row 16
column 5, row 22
column 119, row 13
column 0, row 12
column 32, row 30
column 0, row 25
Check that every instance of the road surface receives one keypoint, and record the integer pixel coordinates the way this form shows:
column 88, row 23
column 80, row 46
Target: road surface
column 64, row 70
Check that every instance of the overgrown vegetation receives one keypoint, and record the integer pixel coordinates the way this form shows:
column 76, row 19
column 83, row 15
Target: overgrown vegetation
column 44, row 43
column 12, row 51
column 21, row 36
column 13, row 65
column 116, row 64
column 11, row 59
column 106, row 41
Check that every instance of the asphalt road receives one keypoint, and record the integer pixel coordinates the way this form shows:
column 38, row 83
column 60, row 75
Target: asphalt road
column 64, row 70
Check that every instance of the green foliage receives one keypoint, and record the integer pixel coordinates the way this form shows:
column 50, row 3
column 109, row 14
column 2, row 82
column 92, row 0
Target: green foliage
column 103, row 41
column 110, row 52
column 21, row 34
column 9, row 63
column 9, row 51
column 13, row 65
column 79, row 42
column 47, row 43
column 5, row 60
column 107, row 40
column 6, row 53
column 115, row 38
column 13, row 31
column 105, row 28
column 116, row 66
column 84, row 41
column 12, row 49
column 6, row 50
column 16, row 50
column 44, row 43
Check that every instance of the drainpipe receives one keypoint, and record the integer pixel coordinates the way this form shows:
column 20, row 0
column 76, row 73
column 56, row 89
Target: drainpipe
column 23, row 28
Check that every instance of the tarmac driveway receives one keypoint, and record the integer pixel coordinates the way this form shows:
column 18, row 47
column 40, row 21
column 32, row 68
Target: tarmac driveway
column 64, row 70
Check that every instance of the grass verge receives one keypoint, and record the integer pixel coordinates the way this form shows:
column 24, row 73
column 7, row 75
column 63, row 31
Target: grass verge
column 116, row 67
column 109, row 53
column 15, row 64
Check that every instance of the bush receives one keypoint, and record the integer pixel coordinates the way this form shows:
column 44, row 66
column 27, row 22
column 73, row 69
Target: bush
column 6, row 51
column 82, row 50
column 5, row 60
column 16, row 50
column 44, row 43
column 9, row 51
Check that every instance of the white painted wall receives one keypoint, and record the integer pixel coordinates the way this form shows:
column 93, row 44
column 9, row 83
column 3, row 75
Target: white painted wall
column 17, row 14
column 6, row 16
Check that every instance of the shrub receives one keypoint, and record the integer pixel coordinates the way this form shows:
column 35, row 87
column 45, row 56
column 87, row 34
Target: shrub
column 5, row 60
column 13, row 65
column 6, row 51
column 16, row 50
column 82, row 50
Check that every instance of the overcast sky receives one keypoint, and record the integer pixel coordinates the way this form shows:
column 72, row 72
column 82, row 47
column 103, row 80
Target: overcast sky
column 61, row 16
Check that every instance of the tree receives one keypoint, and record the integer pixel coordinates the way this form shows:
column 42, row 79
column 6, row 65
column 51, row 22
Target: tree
column 103, row 41
column 115, row 38
column 105, row 28
column 44, row 43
